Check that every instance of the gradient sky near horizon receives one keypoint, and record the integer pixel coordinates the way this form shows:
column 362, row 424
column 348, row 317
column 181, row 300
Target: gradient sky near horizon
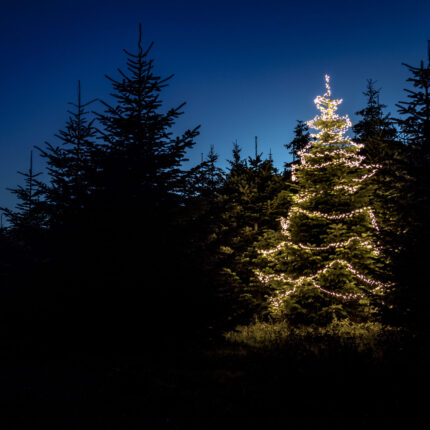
column 245, row 68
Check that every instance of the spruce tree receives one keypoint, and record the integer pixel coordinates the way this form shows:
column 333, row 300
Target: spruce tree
column 29, row 215
column 301, row 139
column 376, row 131
column 146, row 158
column 414, row 123
column 326, row 262
column 140, row 209
column 71, row 169
column 141, row 175
column 415, row 120
column 237, row 163
column 254, row 195
column 210, row 175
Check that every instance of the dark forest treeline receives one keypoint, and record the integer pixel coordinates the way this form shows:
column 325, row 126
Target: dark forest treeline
column 123, row 242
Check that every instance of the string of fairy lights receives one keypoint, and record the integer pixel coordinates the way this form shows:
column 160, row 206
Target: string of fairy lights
column 346, row 188
column 304, row 197
column 352, row 146
column 332, row 129
column 336, row 152
column 351, row 164
column 311, row 279
column 285, row 223
column 325, row 269
column 364, row 243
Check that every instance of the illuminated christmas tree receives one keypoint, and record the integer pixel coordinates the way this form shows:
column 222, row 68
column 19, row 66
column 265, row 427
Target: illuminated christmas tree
column 326, row 261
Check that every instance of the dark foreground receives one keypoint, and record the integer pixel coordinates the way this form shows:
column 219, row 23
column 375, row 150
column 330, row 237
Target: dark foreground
column 172, row 386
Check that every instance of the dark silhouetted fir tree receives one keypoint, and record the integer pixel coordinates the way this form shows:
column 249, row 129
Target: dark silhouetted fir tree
column 29, row 215
column 141, row 169
column 139, row 203
column 377, row 132
column 301, row 138
column 71, row 171
column 25, row 254
column 414, row 123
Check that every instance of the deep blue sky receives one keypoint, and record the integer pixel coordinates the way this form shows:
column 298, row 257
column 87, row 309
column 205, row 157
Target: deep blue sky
column 245, row 68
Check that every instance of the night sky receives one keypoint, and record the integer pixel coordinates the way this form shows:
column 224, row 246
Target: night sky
column 245, row 68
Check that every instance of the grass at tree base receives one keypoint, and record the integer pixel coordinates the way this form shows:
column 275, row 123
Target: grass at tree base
column 263, row 376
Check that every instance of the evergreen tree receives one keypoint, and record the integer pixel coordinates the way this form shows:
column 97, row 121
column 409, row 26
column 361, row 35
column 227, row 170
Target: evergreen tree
column 375, row 130
column 139, row 207
column 199, row 234
column 71, row 170
column 301, row 139
column 29, row 215
column 62, row 262
column 415, row 121
column 210, row 175
column 377, row 133
column 141, row 176
column 24, row 251
column 414, row 124
column 237, row 164
column 253, row 195
column 326, row 259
